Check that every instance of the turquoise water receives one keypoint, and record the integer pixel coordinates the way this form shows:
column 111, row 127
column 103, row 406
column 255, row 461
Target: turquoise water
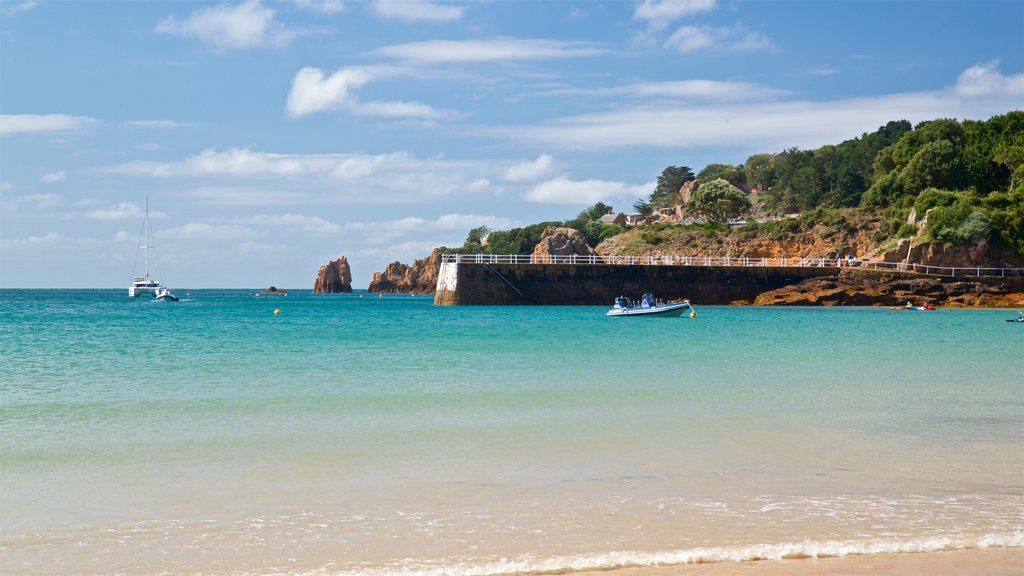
column 352, row 434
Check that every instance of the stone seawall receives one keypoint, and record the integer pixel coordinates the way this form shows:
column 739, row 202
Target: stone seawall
column 599, row 284
column 593, row 284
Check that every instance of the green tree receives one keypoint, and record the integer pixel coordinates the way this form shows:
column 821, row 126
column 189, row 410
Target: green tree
column 595, row 212
column 719, row 201
column 671, row 179
column 735, row 175
column 935, row 164
column 643, row 207
column 760, row 170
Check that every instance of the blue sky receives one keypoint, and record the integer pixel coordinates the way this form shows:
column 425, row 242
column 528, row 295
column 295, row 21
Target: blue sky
column 271, row 137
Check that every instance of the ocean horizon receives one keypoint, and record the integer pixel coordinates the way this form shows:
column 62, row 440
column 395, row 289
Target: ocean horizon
column 369, row 435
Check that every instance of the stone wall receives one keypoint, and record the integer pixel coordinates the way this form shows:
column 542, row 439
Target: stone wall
column 586, row 284
column 592, row 284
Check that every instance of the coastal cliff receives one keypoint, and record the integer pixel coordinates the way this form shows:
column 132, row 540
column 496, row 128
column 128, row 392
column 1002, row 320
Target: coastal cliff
column 399, row 278
column 334, row 277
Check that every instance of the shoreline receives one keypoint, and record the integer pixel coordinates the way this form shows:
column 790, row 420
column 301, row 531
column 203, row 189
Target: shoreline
column 962, row 562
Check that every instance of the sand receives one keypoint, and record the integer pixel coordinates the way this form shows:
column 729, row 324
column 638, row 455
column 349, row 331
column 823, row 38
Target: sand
column 975, row 562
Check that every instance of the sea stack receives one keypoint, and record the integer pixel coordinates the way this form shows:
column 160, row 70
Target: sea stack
column 398, row 278
column 335, row 277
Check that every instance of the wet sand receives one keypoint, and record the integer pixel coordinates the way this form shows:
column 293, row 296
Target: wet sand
column 975, row 562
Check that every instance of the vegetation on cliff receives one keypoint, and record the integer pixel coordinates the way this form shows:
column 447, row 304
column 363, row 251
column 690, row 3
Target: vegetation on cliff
column 942, row 182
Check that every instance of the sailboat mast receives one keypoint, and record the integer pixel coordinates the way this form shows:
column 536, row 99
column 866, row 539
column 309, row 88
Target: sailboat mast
column 147, row 237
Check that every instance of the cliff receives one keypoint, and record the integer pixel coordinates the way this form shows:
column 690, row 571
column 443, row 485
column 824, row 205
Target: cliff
column 334, row 277
column 398, row 278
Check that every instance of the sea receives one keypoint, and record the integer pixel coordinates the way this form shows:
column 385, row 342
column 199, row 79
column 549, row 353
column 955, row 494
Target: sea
column 381, row 435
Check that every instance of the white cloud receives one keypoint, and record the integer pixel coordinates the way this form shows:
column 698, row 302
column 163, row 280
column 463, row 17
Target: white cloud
column 21, row 123
column 263, row 249
column 659, row 13
column 52, row 177
column 6, row 186
column 822, row 71
column 713, row 90
column 15, row 8
column 231, row 26
column 308, row 224
column 491, row 50
column 31, row 201
column 562, row 190
column 985, row 81
column 394, row 177
column 530, row 171
column 50, row 239
column 735, row 39
column 157, row 124
column 122, row 211
column 767, row 126
column 241, row 196
column 322, row 6
column 389, row 231
column 312, row 92
column 416, row 11
column 204, row 231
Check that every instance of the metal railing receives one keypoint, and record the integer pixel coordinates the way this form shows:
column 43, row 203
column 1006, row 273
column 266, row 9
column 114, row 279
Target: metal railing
column 743, row 262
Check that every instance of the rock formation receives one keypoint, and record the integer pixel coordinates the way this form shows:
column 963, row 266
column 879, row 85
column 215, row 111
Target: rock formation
column 398, row 278
column 859, row 288
column 561, row 242
column 335, row 277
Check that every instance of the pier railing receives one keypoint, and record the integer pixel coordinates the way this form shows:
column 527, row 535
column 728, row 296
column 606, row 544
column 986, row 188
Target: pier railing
column 743, row 261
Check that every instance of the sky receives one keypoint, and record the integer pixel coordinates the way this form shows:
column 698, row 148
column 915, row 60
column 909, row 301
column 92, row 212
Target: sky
column 270, row 137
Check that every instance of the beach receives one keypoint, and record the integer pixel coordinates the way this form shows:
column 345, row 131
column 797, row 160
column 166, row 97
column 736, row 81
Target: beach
column 353, row 436
column 991, row 562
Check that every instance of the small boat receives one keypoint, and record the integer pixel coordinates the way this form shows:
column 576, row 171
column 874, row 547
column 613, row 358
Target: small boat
column 1019, row 318
column 165, row 295
column 648, row 306
column 143, row 285
column 909, row 306
column 274, row 291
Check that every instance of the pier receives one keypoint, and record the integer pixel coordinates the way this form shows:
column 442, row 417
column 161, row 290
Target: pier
column 598, row 279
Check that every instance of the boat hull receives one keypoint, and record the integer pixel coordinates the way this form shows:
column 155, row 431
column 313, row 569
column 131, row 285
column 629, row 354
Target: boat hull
column 661, row 311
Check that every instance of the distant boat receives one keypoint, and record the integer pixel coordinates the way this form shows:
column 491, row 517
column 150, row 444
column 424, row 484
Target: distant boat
column 648, row 306
column 913, row 308
column 276, row 291
column 143, row 285
column 1019, row 318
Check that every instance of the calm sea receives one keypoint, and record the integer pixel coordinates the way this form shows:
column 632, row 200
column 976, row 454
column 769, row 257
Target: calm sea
column 358, row 435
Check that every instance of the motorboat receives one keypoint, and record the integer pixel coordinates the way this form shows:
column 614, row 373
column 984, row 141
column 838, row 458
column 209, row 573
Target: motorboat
column 143, row 285
column 648, row 305
column 1019, row 318
column 909, row 306
column 165, row 295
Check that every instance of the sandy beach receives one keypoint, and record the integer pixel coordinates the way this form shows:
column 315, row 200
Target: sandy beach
column 972, row 562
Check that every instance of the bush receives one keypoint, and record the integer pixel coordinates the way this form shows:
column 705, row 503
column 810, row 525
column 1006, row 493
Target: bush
column 932, row 197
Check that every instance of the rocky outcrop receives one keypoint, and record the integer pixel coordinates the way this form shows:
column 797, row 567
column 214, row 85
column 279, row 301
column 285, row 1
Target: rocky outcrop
column 398, row 278
column 561, row 242
column 865, row 288
column 335, row 277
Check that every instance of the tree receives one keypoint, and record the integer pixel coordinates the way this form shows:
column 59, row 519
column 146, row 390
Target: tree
column 719, row 201
column 643, row 207
column 671, row 179
column 760, row 169
column 935, row 164
column 595, row 212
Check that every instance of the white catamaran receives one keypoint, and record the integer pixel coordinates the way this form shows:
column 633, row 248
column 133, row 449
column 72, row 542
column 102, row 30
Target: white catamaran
column 142, row 285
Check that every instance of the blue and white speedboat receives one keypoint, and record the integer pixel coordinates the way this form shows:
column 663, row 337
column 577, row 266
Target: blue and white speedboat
column 648, row 306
